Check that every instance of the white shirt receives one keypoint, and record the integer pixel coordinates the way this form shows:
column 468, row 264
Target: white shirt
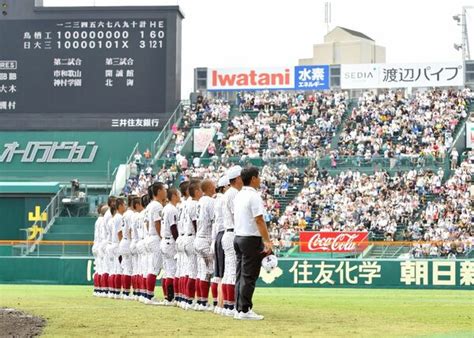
column 229, row 201
column 190, row 216
column 97, row 229
column 218, row 225
column 103, row 230
column 205, row 217
column 141, row 224
column 107, row 218
column 115, row 226
column 170, row 217
column 181, row 216
column 134, row 226
column 127, row 225
column 155, row 210
column 248, row 205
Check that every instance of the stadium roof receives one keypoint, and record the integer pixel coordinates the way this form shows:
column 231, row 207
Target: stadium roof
column 29, row 187
column 356, row 33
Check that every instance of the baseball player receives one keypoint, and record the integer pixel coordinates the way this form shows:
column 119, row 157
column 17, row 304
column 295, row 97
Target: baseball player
column 124, row 249
column 181, row 297
column 169, row 235
column 218, row 231
column 134, row 230
column 202, row 244
column 190, row 233
column 228, row 281
column 115, row 236
column 104, row 280
column 95, row 250
column 141, row 250
column 152, row 241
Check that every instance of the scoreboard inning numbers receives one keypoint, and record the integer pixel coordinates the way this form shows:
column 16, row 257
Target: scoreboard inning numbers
column 95, row 73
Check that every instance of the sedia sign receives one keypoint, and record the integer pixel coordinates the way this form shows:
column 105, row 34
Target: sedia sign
column 50, row 152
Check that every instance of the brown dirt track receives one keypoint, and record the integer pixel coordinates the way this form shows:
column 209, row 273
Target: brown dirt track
column 14, row 323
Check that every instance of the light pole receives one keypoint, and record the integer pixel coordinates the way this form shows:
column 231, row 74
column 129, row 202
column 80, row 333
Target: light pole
column 461, row 21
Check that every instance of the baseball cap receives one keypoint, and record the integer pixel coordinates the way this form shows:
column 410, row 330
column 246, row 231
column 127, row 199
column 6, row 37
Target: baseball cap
column 234, row 172
column 223, row 181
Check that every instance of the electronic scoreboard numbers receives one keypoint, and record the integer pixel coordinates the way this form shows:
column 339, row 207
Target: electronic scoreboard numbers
column 88, row 72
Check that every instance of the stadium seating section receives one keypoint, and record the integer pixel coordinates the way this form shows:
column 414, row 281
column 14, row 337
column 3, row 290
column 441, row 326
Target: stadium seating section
column 379, row 163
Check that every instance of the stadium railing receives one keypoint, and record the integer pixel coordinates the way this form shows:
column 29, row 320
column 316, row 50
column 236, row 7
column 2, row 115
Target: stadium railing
column 121, row 173
column 373, row 249
column 160, row 143
column 347, row 162
column 41, row 225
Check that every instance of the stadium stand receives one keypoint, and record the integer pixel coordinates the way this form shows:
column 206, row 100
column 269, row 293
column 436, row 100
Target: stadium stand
column 379, row 163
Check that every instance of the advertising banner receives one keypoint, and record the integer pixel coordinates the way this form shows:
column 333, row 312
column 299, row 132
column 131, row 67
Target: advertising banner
column 402, row 75
column 342, row 242
column 250, row 78
column 469, row 134
column 329, row 273
column 311, row 77
column 202, row 137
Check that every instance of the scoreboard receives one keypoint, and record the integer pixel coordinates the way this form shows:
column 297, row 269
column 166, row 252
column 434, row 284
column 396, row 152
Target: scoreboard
column 88, row 68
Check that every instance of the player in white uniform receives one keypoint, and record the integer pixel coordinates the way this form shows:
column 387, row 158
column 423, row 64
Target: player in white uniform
column 115, row 235
column 228, row 281
column 135, row 227
column 180, row 290
column 142, row 259
column 153, row 239
column 124, row 250
column 106, row 279
column 218, row 231
column 169, row 235
column 190, row 233
column 95, row 250
column 202, row 244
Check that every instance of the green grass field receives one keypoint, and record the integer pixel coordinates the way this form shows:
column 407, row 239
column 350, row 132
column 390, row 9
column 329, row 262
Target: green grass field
column 72, row 311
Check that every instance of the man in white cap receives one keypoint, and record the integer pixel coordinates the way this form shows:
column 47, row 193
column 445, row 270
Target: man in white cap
column 218, row 231
column 228, row 280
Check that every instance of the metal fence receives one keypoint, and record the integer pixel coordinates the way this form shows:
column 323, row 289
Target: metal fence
column 42, row 225
column 160, row 143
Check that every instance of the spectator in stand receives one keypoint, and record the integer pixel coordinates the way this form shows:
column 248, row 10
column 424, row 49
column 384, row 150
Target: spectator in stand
column 137, row 158
column 147, row 156
column 454, row 159
column 211, row 149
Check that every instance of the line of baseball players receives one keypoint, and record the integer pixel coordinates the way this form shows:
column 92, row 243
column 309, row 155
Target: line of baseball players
column 188, row 234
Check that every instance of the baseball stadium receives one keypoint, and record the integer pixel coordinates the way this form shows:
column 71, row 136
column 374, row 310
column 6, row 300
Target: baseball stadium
column 163, row 175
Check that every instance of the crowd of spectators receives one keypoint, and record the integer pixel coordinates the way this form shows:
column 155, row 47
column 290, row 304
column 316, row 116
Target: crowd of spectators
column 352, row 201
column 393, row 125
column 285, row 126
column 447, row 222
column 414, row 205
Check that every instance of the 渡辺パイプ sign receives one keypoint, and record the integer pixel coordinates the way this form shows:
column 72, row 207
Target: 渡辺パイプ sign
column 402, row 75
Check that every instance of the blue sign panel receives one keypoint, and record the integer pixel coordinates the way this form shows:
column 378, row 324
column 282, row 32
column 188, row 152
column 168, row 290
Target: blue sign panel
column 314, row 77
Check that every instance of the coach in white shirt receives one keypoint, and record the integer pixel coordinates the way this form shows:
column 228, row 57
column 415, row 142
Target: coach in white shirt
column 251, row 242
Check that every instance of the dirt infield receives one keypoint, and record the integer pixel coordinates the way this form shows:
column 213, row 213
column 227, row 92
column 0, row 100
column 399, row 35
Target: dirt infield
column 19, row 324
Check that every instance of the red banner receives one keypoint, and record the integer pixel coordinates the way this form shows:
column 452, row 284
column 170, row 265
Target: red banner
column 351, row 241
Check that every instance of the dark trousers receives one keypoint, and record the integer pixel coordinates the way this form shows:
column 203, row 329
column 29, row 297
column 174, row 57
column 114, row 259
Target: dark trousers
column 249, row 261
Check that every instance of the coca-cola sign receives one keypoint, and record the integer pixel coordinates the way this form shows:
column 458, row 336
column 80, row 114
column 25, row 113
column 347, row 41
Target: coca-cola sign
column 311, row 241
